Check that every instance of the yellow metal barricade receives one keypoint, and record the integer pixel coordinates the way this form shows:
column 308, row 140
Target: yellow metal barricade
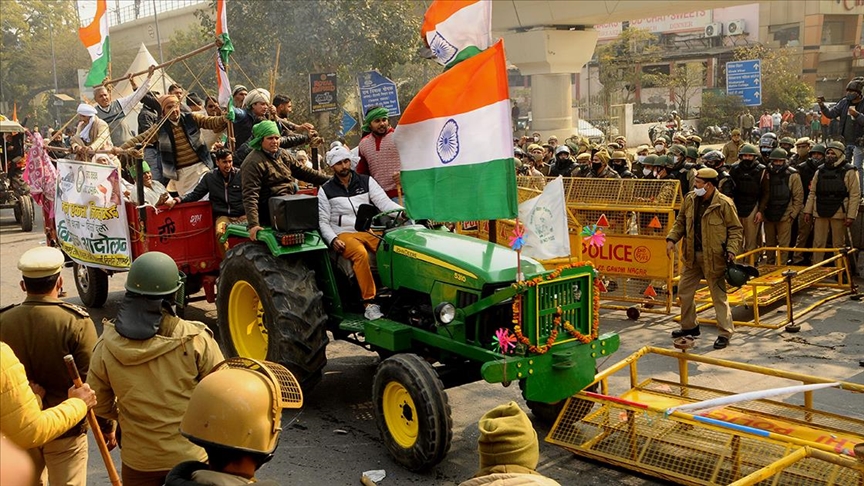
column 635, row 215
column 746, row 442
column 778, row 283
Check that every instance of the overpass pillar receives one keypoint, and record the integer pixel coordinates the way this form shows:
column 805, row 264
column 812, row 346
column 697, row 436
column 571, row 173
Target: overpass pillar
column 550, row 56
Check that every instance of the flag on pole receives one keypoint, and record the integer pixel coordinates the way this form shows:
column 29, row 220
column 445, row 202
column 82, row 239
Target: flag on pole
column 457, row 29
column 15, row 111
column 545, row 220
column 224, row 87
column 95, row 39
column 455, row 144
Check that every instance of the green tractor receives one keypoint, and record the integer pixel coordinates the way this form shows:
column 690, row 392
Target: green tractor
column 445, row 298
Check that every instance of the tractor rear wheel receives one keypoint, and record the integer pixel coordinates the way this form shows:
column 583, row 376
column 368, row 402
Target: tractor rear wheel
column 412, row 411
column 28, row 214
column 92, row 285
column 270, row 308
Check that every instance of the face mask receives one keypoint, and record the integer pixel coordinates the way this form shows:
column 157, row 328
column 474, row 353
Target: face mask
column 656, row 174
column 640, row 158
column 700, row 191
column 778, row 168
column 851, row 97
column 647, row 172
column 536, row 139
column 831, row 159
column 659, row 148
column 596, row 166
column 747, row 162
column 675, row 159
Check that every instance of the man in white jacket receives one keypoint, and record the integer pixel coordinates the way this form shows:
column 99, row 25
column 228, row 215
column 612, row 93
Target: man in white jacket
column 338, row 201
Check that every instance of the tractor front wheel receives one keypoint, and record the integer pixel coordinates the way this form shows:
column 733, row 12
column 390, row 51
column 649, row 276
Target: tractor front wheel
column 412, row 411
column 270, row 308
column 547, row 413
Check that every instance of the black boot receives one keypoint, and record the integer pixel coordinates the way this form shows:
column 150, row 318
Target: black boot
column 686, row 332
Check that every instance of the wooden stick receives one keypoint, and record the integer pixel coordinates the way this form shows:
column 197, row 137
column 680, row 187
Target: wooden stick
column 94, row 426
column 160, row 66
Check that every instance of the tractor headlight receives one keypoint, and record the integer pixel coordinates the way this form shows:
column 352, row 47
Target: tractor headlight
column 445, row 312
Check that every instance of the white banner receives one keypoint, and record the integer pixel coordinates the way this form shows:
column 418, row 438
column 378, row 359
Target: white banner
column 91, row 217
column 545, row 221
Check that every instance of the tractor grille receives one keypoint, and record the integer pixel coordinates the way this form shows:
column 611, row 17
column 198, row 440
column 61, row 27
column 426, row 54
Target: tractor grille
column 572, row 295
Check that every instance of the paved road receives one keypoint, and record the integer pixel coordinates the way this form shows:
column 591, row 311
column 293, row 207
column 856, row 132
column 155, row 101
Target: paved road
column 334, row 438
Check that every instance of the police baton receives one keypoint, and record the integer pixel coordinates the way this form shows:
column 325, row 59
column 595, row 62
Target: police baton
column 91, row 419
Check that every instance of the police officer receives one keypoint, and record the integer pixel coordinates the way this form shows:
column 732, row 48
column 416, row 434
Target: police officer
column 748, row 175
column 767, row 143
column 599, row 168
column 802, row 152
column 787, row 143
column 680, row 169
column 835, row 195
column 781, row 204
column 660, row 145
column 41, row 330
column 692, row 158
column 730, row 150
column 715, row 160
column 235, row 415
column 648, row 167
column 619, row 164
column 149, row 360
column 712, row 235
column 564, row 165
column 807, row 169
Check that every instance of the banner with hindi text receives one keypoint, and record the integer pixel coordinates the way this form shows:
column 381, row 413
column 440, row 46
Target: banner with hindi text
column 90, row 215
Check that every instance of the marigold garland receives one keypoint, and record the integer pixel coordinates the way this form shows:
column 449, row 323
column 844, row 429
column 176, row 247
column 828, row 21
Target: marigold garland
column 556, row 321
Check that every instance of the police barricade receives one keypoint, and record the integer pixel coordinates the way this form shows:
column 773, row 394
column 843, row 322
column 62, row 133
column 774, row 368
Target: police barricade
column 830, row 279
column 635, row 216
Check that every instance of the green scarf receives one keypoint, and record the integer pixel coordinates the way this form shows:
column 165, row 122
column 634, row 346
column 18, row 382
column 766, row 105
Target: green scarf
column 374, row 114
column 262, row 130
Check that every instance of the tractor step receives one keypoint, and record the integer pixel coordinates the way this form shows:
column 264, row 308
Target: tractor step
column 353, row 323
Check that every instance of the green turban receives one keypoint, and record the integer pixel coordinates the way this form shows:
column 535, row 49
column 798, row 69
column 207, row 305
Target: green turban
column 133, row 171
column 262, row 130
column 374, row 114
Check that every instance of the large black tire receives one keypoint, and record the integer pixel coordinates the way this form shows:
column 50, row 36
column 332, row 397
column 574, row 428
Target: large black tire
column 287, row 323
column 92, row 285
column 17, row 212
column 27, row 213
column 412, row 411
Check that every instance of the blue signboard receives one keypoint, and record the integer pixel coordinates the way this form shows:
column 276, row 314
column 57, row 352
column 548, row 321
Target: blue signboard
column 744, row 78
column 376, row 90
column 348, row 122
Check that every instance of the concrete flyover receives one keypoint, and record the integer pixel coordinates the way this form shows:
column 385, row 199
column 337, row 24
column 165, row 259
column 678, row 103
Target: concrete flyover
column 552, row 39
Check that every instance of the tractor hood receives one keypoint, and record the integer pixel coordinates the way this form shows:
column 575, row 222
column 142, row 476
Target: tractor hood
column 417, row 253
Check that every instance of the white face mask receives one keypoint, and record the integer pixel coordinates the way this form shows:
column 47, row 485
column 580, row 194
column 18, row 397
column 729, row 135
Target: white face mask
column 640, row 158
column 647, row 172
column 674, row 159
column 659, row 147
column 700, row 191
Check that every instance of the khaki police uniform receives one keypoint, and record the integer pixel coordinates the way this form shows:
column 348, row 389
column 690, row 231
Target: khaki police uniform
column 41, row 331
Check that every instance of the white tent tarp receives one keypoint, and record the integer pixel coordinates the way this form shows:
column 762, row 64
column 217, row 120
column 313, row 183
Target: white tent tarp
column 160, row 82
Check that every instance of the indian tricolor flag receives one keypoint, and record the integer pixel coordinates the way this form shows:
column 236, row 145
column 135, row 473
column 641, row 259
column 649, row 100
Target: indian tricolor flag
column 224, row 87
column 95, row 39
column 455, row 144
column 457, row 29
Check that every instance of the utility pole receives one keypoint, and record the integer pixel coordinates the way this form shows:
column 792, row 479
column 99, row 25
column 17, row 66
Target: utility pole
column 54, row 65
column 159, row 43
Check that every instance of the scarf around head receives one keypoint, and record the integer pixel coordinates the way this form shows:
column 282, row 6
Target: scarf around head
column 262, row 130
column 373, row 114
column 86, row 110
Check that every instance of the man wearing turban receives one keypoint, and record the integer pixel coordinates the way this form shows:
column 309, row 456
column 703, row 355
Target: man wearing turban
column 378, row 155
column 270, row 171
column 92, row 135
column 185, row 158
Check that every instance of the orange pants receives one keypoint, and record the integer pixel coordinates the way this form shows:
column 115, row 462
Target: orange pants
column 357, row 248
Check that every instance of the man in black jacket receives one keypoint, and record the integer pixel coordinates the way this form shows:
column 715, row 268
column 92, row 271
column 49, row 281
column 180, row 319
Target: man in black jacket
column 223, row 186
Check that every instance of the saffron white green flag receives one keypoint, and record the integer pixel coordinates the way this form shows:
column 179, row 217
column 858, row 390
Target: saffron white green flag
column 223, row 86
column 95, row 39
column 455, row 30
column 455, row 144
column 545, row 221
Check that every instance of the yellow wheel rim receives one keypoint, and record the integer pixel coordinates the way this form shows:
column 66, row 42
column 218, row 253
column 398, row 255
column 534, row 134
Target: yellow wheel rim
column 400, row 415
column 246, row 321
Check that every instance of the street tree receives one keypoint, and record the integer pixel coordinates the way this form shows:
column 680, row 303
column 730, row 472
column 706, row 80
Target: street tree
column 782, row 87
column 685, row 82
column 26, row 69
column 313, row 37
column 621, row 62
